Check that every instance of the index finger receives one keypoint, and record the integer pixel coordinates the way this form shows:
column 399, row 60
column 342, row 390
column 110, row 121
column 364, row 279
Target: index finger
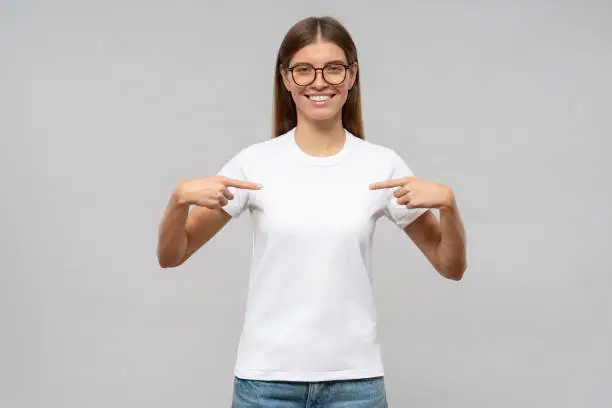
column 240, row 184
column 387, row 184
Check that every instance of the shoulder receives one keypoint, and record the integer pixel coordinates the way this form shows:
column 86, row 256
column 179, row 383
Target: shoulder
column 382, row 158
column 375, row 151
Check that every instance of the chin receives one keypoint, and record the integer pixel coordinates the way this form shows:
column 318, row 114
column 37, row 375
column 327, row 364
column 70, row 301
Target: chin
column 320, row 114
column 322, row 117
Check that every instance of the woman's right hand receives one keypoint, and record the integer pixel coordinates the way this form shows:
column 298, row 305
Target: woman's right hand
column 210, row 192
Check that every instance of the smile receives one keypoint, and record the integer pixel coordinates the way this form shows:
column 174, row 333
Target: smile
column 319, row 99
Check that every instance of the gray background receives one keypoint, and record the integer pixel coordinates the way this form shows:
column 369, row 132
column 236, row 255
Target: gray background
column 105, row 106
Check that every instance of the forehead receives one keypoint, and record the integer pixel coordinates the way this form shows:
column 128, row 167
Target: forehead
column 319, row 53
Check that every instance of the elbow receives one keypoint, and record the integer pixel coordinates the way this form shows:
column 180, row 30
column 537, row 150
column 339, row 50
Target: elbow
column 166, row 262
column 454, row 272
column 167, row 265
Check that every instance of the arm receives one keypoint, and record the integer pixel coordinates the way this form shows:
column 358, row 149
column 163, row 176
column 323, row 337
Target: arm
column 442, row 242
column 183, row 232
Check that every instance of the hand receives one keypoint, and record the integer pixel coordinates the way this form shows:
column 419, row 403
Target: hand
column 210, row 192
column 414, row 192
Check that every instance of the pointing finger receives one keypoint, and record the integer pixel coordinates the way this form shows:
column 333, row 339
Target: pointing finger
column 241, row 184
column 387, row 184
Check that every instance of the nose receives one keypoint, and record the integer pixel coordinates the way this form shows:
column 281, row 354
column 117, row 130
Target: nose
column 319, row 82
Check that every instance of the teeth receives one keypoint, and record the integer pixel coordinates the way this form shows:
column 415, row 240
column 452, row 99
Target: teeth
column 319, row 97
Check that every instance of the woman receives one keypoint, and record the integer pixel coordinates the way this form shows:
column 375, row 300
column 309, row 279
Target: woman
column 314, row 191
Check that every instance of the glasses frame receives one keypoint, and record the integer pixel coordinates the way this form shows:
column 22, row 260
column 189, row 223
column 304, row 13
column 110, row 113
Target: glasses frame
column 301, row 64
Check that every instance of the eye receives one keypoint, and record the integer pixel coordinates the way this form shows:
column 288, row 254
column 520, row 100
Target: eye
column 335, row 68
column 301, row 69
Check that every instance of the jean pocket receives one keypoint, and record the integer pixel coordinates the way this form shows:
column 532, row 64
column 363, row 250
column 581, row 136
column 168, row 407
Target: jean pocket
column 246, row 393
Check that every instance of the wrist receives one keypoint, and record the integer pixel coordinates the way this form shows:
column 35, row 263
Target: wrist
column 449, row 203
column 178, row 196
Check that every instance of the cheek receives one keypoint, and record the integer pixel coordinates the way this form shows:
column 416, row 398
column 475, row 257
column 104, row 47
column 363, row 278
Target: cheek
column 298, row 98
column 342, row 92
column 342, row 95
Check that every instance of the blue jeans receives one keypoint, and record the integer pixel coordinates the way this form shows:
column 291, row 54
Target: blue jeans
column 357, row 393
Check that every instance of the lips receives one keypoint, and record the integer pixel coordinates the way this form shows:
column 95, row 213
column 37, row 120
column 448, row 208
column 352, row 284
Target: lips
column 319, row 95
column 319, row 99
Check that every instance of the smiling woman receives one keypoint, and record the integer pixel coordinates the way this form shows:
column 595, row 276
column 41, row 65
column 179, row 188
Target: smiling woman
column 315, row 191
column 317, row 67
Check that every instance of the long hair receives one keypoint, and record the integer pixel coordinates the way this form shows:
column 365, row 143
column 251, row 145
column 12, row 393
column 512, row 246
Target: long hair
column 303, row 33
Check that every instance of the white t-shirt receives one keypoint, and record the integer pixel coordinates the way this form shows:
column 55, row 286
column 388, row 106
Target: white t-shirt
column 310, row 313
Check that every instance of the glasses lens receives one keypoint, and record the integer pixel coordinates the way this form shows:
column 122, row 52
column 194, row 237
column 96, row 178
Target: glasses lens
column 303, row 74
column 334, row 73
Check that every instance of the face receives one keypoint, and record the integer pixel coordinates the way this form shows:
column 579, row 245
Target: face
column 319, row 100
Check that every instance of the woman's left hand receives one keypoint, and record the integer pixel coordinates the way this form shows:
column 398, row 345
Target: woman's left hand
column 414, row 192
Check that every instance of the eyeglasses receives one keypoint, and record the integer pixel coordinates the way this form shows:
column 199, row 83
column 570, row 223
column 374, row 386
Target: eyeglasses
column 333, row 73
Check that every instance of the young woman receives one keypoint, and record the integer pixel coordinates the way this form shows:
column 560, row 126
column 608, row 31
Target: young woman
column 315, row 191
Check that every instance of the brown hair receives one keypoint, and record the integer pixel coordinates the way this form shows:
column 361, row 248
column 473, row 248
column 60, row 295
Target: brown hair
column 303, row 33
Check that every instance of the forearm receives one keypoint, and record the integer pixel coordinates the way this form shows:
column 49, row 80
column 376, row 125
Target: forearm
column 172, row 239
column 452, row 246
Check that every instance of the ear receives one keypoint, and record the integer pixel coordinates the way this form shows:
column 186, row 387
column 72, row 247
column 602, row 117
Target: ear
column 353, row 70
column 283, row 74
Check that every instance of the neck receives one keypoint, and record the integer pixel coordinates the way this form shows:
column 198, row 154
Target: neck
column 320, row 138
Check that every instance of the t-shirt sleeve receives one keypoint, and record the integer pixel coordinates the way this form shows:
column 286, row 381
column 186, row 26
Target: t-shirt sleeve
column 398, row 213
column 234, row 169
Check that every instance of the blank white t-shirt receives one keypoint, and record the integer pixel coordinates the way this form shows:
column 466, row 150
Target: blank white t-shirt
column 310, row 313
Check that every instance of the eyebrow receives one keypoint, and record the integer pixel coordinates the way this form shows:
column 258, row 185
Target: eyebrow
column 328, row 62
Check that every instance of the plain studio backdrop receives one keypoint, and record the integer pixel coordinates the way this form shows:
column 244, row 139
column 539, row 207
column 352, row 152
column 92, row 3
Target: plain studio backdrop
column 105, row 106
